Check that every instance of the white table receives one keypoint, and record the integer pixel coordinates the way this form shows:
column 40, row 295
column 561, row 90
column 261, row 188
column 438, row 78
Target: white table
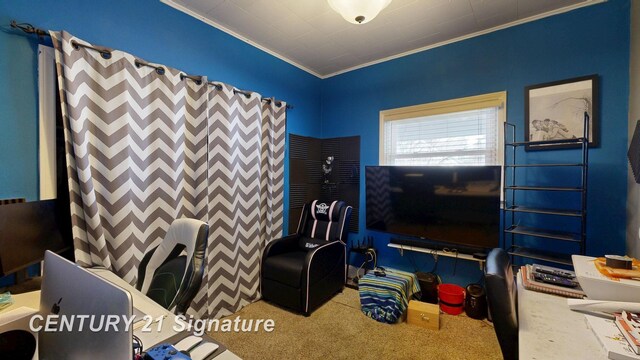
column 549, row 330
column 140, row 301
column 30, row 299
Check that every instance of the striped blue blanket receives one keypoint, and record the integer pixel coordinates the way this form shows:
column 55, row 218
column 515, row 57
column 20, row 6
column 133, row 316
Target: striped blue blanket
column 385, row 298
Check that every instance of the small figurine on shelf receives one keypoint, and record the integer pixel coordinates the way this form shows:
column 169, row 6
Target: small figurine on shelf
column 327, row 168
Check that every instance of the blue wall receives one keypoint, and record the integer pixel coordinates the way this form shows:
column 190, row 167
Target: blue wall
column 586, row 41
column 591, row 40
column 150, row 30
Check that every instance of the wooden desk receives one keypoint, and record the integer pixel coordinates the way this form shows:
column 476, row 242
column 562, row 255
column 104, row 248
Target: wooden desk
column 547, row 329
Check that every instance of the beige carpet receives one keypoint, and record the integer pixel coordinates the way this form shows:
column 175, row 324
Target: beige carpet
column 339, row 330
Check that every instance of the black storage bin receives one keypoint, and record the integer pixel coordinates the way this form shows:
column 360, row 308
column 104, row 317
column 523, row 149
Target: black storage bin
column 475, row 304
column 429, row 286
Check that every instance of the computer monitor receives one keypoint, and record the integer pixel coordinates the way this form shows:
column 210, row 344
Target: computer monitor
column 28, row 229
column 69, row 290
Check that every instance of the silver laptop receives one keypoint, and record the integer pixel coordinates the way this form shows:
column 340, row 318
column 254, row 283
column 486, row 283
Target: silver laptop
column 68, row 290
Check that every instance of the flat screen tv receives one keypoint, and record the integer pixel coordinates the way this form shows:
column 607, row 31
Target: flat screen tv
column 457, row 207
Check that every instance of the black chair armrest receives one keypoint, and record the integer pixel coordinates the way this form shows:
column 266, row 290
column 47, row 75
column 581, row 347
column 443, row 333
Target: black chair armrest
column 282, row 245
column 321, row 261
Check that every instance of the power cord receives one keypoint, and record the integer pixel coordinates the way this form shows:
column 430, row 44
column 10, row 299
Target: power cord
column 434, row 254
column 374, row 256
column 481, row 280
column 455, row 263
column 415, row 265
column 371, row 257
column 413, row 262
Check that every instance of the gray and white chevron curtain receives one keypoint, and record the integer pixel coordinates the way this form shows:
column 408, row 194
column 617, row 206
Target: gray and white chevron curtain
column 246, row 175
column 144, row 147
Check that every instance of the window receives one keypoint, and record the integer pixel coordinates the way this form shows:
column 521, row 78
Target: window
column 466, row 131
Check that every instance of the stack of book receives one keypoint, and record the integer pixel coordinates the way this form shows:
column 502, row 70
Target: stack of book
column 620, row 338
column 629, row 325
column 558, row 281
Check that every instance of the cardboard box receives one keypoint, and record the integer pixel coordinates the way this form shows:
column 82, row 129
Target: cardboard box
column 424, row 315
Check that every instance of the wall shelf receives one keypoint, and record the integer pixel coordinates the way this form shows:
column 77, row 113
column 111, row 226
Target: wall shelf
column 547, row 211
column 547, row 234
column 540, row 255
column 516, row 225
column 435, row 253
column 543, row 188
column 541, row 165
column 576, row 141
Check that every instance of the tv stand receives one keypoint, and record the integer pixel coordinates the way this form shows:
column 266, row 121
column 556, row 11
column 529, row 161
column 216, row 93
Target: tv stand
column 435, row 253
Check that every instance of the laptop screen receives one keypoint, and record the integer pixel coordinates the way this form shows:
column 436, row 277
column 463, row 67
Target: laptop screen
column 83, row 315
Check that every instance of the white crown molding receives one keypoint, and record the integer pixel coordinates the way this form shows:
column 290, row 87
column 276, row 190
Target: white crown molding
column 392, row 57
column 238, row 36
column 472, row 35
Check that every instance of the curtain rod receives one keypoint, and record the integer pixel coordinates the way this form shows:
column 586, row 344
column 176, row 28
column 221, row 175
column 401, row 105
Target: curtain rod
column 106, row 54
column 28, row 28
column 247, row 94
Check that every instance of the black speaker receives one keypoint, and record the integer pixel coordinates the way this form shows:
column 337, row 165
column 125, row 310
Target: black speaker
column 429, row 286
column 17, row 345
column 475, row 304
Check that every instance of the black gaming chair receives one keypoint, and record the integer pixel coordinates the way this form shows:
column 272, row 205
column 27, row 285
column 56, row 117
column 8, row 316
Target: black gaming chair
column 172, row 272
column 303, row 270
column 501, row 295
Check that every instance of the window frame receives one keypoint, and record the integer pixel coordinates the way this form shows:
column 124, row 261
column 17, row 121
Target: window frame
column 496, row 99
column 47, row 102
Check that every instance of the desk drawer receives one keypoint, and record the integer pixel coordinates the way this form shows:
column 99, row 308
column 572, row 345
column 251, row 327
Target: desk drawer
column 424, row 315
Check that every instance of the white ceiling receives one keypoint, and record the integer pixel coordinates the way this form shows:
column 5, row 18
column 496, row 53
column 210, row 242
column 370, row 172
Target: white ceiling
column 313, row 37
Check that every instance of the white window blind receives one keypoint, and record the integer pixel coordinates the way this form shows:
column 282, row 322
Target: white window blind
column 457, row 138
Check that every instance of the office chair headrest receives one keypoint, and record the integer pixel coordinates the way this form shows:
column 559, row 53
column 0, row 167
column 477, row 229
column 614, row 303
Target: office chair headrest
column 326, row 211
column 184, row 231
column 188, row 235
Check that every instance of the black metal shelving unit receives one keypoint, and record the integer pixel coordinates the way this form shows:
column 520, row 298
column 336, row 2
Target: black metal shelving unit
column 513, row 230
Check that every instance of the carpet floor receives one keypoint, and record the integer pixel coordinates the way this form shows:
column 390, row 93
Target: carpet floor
column 339, row 330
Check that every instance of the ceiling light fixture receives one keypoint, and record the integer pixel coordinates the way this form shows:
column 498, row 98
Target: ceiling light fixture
column 358, row 11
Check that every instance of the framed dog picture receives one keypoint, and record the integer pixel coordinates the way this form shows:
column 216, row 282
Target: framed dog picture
column 555, row 111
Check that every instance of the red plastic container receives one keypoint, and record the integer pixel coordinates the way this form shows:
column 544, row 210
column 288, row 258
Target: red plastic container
column 451, row 298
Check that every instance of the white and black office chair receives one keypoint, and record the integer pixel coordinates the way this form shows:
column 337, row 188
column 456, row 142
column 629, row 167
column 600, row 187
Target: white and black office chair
column 171, row 273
